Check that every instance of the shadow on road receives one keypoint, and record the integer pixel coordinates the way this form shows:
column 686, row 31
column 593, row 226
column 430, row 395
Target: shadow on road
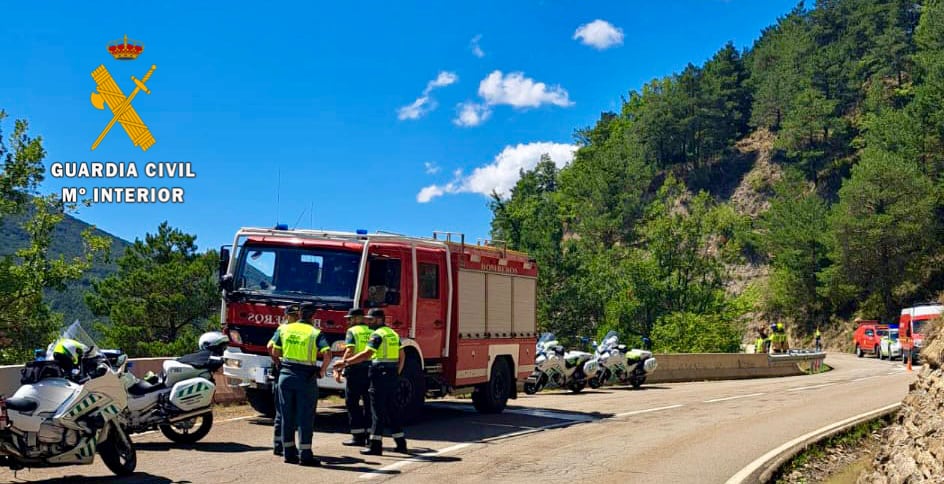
column 463, row 422
column 216, row 447
column 641, row 389
column 137, row 477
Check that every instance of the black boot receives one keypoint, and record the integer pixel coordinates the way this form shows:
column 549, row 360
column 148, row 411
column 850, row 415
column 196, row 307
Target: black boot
column 376, row 448
column 309, row 460
column 401, row 445
column 277, row 449
column 291, row 455
column 357, row 440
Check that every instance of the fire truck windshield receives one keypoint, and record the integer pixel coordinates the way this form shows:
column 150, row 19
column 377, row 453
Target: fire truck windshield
column 316, row 274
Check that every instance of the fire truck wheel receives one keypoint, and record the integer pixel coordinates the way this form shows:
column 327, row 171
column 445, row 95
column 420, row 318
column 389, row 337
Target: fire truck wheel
column 492, row 396
column 262, row 401
column 411, row 393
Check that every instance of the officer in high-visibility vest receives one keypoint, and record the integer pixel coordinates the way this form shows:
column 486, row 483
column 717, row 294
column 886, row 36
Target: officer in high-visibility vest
column 297, row 345
column 819, row 340
column 387, row 358
column 291, row 314
column 68, row 353
column 357, row 385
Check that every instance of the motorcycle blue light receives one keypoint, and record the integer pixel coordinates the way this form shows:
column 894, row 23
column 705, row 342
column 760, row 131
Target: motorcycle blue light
column 281, row 227
column 361, row 232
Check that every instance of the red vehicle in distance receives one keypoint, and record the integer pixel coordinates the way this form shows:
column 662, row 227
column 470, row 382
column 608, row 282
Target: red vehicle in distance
column 868, row 338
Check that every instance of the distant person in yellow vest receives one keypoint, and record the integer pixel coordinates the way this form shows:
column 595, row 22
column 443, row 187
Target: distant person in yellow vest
column 357, row 384
column 387, row 359
column 779, row 338
column 818, row 337
column 297, row 345
column 762, row 344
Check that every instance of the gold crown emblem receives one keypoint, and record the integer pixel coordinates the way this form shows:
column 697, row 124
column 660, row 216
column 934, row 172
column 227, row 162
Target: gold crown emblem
column 125, row 50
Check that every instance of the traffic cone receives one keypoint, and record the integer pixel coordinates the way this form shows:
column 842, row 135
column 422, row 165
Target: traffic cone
column 910, row 357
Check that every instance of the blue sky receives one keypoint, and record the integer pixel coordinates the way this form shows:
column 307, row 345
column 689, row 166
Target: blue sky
column 245, row 91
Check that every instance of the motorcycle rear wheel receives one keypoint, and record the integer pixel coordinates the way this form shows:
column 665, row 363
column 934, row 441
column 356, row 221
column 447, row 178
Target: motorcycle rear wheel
column 120, row 458
column 578, row 387
column 182, row 434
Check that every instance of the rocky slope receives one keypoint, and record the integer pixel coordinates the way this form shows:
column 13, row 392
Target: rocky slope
column 913, row 447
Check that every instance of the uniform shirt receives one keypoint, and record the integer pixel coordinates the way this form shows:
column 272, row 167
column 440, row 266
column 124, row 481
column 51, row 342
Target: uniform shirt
column 356, row 339
column 320, row 344
column 384, row 343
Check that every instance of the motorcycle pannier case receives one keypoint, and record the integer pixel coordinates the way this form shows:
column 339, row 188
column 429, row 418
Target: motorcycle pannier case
column 192, row 394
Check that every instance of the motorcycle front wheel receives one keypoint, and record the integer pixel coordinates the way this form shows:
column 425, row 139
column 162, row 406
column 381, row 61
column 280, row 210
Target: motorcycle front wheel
column 188, row 431
column 594, row 383
column 118, row 454
column 578, row 386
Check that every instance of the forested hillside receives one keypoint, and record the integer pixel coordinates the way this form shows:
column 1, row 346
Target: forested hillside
column 815, row 155
column 66, row 241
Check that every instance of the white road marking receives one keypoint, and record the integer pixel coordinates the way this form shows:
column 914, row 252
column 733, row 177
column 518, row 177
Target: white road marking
column 734, row 398
column 754, row 466
column 419, row 458
column 648, row 410
column 864, row 378
column 810, row 387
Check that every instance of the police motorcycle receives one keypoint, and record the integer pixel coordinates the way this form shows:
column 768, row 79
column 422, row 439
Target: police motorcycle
column 178, row 401
column 619, row 364
column 65, row 412
column 558, row 368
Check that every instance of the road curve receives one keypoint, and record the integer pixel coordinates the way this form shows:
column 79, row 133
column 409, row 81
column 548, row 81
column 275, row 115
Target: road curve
column 702, row 432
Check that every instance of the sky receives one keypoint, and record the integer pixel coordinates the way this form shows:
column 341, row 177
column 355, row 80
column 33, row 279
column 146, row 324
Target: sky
column 397, row 116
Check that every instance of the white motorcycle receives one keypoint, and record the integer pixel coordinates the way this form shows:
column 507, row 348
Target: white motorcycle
column 619, row 365
column 62, row 416
column 179, row 400
column 555, row 367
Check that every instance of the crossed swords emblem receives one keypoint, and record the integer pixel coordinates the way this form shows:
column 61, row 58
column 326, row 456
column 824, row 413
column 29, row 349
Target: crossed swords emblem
column 122, row 112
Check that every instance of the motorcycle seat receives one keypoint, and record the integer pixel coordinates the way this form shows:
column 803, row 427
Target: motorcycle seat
column 21, row 404
column 202, row 360
column 142, row 387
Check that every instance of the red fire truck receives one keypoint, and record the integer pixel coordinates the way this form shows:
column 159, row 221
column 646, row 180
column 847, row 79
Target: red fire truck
column 911, row 329
column 465, row 313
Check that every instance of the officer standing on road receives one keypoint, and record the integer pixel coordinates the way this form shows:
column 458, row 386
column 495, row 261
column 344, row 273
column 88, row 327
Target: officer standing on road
column 291, row 313
column 819, row 339
column 387, row 358
column 297, row 345
column 357, row 384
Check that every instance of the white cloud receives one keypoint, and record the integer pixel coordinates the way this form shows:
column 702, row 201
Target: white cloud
column 521, row 92
column 471, row 114
column 476, row 49
column 425, row 103
column 513, row 89
column 503, row 172
column 599, row 34
column 431, row 168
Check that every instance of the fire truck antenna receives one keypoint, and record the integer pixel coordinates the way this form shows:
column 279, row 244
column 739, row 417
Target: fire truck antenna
column 278, row 196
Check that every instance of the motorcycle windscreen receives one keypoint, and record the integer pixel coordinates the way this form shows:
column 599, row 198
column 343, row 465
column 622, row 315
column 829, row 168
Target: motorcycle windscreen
column 74, row 332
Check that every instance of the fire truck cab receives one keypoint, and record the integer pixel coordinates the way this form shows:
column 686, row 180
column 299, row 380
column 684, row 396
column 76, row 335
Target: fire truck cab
column 912, row 328
column 465, row 313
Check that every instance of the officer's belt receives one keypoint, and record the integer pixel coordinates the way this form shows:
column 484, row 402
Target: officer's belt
column 384, row 363
column 299, row 365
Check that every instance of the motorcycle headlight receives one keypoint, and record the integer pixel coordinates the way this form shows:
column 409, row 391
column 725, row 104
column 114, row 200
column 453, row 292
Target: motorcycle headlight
column 540, row 359
column 235, row 337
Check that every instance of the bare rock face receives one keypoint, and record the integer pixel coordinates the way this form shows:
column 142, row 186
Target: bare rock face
column 913, row 447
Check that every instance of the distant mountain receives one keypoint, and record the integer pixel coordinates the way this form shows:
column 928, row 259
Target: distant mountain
column 67, row 241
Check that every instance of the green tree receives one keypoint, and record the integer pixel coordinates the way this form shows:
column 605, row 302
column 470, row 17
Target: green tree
column 26, row 322
column 780, row 64
column 162, row 297
column 884, row 229
column 793, row 232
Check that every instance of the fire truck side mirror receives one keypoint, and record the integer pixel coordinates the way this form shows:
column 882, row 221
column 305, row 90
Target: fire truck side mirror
column 224, row 261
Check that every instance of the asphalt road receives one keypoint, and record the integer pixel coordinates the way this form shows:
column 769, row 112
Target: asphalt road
column 666, row 433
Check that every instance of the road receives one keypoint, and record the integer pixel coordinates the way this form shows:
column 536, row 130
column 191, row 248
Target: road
column 665, row 433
